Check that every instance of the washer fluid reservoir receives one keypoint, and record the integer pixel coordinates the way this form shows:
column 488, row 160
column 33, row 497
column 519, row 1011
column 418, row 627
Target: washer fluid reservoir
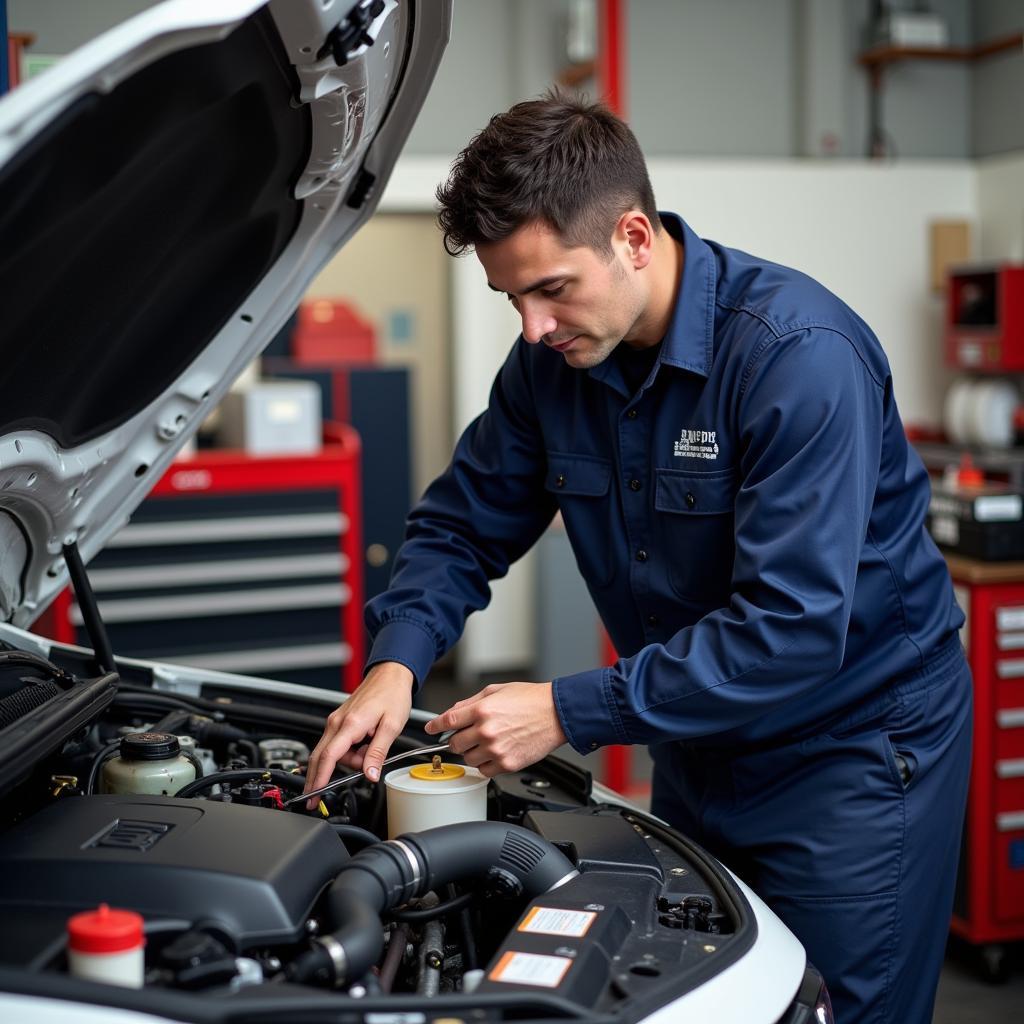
column 148, row 762
column 429, row 795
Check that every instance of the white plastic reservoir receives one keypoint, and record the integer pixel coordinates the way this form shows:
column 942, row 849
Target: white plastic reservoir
column 428, row 795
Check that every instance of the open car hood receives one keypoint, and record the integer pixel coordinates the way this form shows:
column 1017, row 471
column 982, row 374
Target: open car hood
column 167, row 193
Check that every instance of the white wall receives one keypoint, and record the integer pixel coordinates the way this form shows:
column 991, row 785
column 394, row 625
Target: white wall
column 861, row 229
column 1001, row 207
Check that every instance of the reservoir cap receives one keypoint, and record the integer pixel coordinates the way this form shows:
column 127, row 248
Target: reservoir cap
column 436, row 772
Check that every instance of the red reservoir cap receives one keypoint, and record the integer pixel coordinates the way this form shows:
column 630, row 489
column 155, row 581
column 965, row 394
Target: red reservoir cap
column 105, row 931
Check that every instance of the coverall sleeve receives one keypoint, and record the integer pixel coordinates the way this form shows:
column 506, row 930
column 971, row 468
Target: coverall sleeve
column 810, row 416
column 485, row 511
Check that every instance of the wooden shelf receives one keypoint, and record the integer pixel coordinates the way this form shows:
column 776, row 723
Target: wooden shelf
column 879, row 56
column 573, row 75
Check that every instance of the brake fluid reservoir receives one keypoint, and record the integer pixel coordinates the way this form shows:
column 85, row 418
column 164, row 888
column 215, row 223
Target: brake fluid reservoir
column 148, row 762
column 428, row 795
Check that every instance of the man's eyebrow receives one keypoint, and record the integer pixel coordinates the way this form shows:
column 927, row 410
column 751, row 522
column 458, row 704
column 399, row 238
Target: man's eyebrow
column 544, row 282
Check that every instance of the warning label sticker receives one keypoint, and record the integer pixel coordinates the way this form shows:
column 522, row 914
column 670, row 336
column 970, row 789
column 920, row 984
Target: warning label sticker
column 556, row 921
column 531, row 969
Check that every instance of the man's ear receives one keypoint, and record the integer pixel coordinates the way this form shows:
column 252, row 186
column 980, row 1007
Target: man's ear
column 635, row 235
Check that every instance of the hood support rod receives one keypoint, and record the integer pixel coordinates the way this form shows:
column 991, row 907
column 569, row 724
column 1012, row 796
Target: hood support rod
column 90, row 611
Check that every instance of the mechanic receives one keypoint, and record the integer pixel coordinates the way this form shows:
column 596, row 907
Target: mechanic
column 721, row 438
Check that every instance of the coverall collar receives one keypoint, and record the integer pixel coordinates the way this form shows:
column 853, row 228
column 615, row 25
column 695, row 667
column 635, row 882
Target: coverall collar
column 689, row 340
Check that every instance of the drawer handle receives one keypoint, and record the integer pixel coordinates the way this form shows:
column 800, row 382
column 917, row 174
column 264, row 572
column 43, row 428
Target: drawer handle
column 1010, row 821
column 1012, row 668
column 1009, row 619
column 230, row 570
column 1010, row 718
column 232, row 602
column 1010, row 769
column 211, row 531
column 264, row 661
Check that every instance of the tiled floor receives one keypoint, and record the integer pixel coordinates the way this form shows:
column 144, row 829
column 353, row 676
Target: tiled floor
column 964, row 998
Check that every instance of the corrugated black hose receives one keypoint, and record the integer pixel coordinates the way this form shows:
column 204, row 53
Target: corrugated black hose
column 22, row 701
column 391, row 873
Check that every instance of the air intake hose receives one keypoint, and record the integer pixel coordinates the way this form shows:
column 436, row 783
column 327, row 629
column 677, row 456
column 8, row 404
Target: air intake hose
column 390, row 873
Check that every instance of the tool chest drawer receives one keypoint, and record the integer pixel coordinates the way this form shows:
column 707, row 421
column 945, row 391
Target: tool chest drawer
column 989, row 907
column 239, row 564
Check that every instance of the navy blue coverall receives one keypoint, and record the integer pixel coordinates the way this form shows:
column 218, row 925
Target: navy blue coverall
column 749, row 523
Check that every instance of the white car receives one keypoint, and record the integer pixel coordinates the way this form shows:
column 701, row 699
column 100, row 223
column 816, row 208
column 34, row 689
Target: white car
column 166, row 195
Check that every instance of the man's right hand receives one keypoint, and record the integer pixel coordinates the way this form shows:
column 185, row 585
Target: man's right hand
column 378, row 709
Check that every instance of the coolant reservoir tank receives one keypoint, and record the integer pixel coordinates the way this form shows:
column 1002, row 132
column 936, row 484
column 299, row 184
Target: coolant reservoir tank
column 147, row 762
column 429, row 795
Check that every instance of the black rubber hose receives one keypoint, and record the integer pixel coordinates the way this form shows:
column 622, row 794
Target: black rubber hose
column 247, row 748
column 359, row 837
column 51, row 671
column 430, row 913
column 466, row 925
column 393, row 957
column 293, row 783
column 209, row 733
column 97, row 763
column 393, row 872
column 173, row 722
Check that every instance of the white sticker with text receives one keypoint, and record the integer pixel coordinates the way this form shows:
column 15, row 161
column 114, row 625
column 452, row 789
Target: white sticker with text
column 556, row 921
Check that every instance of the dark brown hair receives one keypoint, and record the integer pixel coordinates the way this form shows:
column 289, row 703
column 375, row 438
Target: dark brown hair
column 557, row 159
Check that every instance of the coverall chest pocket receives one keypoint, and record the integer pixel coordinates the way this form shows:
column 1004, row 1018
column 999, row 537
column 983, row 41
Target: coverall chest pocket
column 581, row 483
column 695, row 523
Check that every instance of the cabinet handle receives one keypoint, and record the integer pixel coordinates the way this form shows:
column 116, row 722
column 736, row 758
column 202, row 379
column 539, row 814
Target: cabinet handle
column 230, row 570
column 266, row 660
column 1010, row 718
column 1010, row 821
column 209, row 531
column 1010, row 769
column 192, row 606
column 1008, row 619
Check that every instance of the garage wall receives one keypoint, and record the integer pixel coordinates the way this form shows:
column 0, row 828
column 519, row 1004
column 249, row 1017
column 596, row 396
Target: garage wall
column 1000, row 185
column 758, row 78
column 860, row 229
column 997, row 84
column 712, row 79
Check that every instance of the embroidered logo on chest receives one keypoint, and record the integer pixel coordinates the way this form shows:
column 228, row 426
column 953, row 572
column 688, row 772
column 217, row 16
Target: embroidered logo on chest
column 696, row 444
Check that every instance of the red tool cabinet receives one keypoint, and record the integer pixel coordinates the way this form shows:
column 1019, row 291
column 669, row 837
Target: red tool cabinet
column 241, row 564
column 989, row 906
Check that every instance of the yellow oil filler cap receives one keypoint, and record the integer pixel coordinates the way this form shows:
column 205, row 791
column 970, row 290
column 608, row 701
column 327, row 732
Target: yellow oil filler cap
column 437, row 771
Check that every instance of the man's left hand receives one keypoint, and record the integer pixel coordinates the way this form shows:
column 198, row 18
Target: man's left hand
column 504, row 727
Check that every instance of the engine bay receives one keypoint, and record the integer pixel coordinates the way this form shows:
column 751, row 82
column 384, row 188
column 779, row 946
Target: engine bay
column 556, row 903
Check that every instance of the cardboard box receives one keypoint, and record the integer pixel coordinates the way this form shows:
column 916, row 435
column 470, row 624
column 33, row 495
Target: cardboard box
column 272, row 418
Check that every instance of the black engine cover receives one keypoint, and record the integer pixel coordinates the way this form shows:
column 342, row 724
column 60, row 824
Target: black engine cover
column 253, row 871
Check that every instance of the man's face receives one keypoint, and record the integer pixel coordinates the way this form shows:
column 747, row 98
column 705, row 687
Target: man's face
column 577, row 301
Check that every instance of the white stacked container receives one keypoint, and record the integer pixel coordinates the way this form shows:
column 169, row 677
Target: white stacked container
column 429, row 795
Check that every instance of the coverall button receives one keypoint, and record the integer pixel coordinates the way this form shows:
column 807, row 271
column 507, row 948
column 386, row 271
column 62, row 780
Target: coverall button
column 634, row 484
column 641, row 555
column 593, row 746
column 631, row 414
column 652, row 620
column 560, row 480
column 690, row 501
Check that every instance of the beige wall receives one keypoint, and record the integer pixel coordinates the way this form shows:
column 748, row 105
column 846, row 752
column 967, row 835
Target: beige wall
column 395, row 272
